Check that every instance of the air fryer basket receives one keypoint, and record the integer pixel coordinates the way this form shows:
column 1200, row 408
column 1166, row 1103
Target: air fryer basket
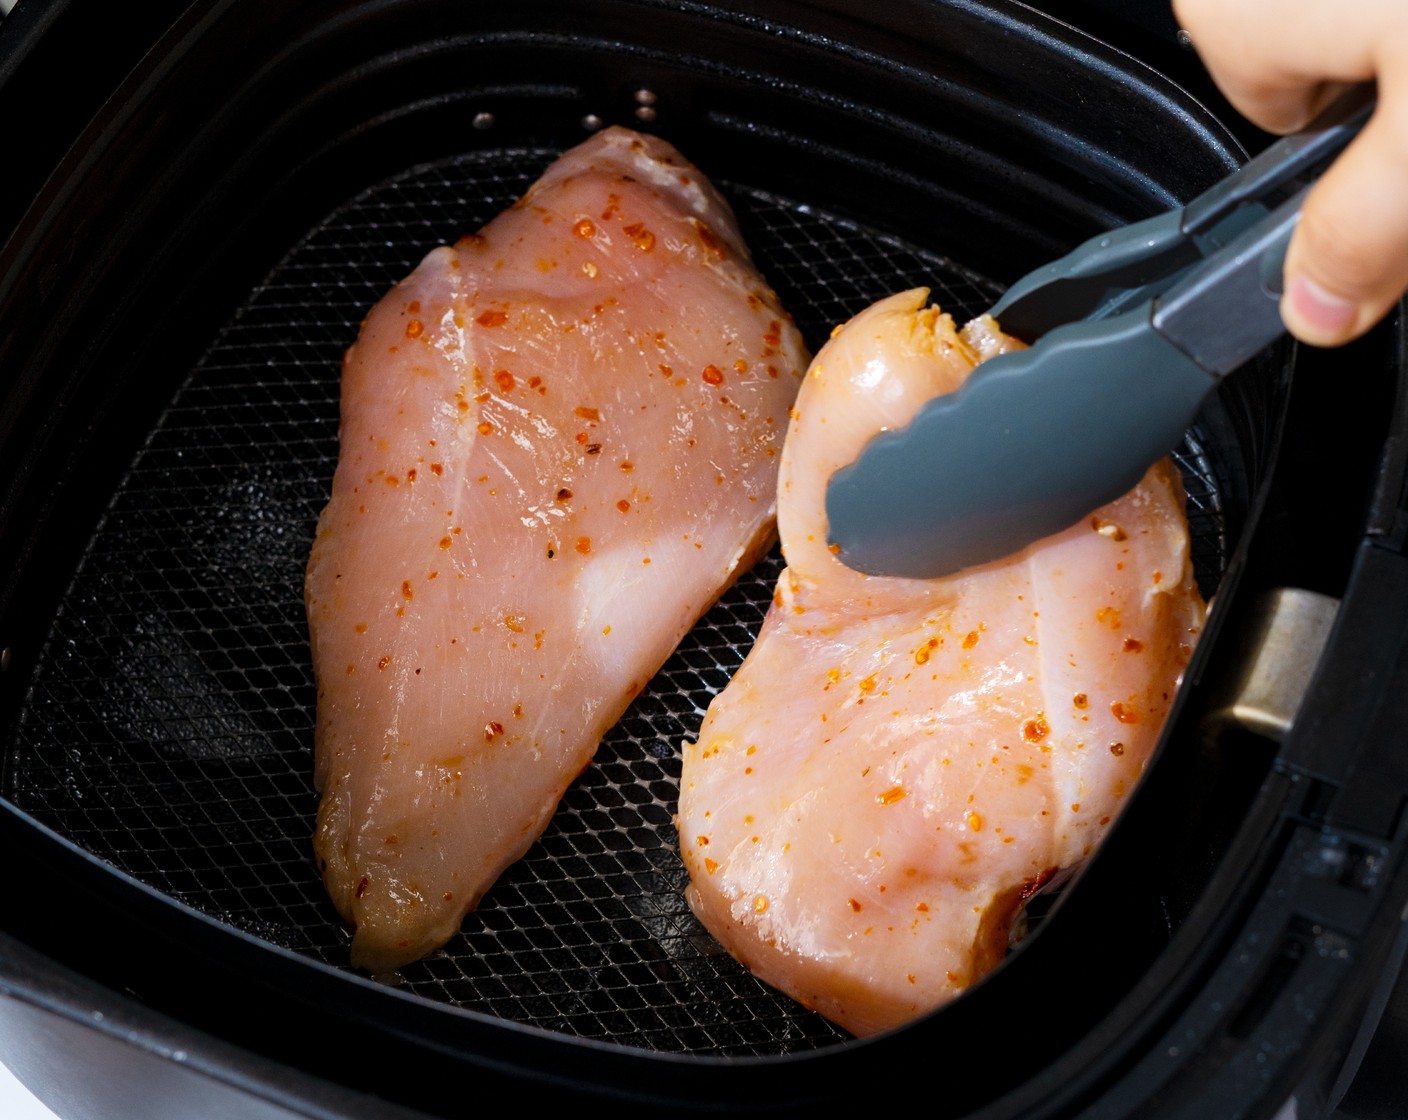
column 169, row 725
column 198, row 267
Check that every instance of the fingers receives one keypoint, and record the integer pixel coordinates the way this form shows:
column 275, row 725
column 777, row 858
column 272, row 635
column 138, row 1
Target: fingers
column 1279, row 62
column 1347, row 263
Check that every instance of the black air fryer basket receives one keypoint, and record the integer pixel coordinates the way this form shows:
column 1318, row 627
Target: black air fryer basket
column 192, row 235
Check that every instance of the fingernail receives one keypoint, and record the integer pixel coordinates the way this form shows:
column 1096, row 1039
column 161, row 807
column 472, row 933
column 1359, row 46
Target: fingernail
column 1323, row 313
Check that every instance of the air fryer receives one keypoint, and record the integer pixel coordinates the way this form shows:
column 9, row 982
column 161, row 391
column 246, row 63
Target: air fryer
column 206, row 199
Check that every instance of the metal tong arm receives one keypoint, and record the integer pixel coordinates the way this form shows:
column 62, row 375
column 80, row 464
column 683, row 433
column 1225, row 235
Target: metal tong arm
column 1113, row 272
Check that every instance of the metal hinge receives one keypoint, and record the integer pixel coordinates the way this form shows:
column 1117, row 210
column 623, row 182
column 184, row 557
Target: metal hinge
column 1284, row 644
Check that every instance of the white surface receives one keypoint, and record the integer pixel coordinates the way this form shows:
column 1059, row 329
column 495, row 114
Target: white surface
column 17, row 1102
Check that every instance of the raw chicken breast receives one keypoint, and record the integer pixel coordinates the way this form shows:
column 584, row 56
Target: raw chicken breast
column 559, row 443
column 899, row 763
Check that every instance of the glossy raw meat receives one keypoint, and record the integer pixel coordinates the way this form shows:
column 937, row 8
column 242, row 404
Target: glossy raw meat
column 899, row 763
column 560, row 440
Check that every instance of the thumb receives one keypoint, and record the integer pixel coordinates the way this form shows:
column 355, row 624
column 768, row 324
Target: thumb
column 1347, row 262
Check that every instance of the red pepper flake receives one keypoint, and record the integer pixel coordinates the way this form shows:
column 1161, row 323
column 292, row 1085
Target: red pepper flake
column 383, row 663
column 1107, row 528
column 711, row 865
column 711, row 243
column 585, row 228
column 411, row 475
column 413, row 308
column 584, row 545
column 362, row 884
column 627, row 466
column 1133, row 645
column 485, row 427
column 492, row 319
column 921, row 655
column 593, row 449
column 393, row 839
column 406, row 592
column 361, row 628
column 975, row 822
column 1081, row 700
column 702, row 841
column 504, row 380
column 773, row 336
column 1035, row 730
column 492, row 728
column 623, row 505
column 853, row 904
column 587, row 413
column 564, row 495
column 414, row 328
column 713, row 375
column 1123, row 714
column 644, row 239
column 1117, row 749
column 891, row 795
column 514, row 622
column 971, row 640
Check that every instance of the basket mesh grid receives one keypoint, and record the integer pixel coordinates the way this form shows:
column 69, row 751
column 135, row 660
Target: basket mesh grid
column 169, row 727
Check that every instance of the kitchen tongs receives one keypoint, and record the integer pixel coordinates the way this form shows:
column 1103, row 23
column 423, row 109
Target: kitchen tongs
column 1130, row 333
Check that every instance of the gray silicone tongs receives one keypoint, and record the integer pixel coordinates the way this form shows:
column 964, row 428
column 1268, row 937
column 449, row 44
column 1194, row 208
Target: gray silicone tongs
column 1130, row 333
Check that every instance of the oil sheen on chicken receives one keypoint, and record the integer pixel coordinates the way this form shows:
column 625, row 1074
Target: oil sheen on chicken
column 560, row 441
column 899, row 763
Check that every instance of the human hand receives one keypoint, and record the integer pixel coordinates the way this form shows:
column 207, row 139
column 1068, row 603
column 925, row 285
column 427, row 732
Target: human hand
column 1280, row 62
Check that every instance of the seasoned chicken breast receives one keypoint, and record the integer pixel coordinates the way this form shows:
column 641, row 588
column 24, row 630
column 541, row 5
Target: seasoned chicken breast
column 899, row 763
column 559, row 443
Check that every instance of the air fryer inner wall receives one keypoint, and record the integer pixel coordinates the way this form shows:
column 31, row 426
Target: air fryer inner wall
column 167, row 726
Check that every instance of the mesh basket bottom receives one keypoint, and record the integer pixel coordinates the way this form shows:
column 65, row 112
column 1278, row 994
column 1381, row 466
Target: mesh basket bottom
column 169, row 728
